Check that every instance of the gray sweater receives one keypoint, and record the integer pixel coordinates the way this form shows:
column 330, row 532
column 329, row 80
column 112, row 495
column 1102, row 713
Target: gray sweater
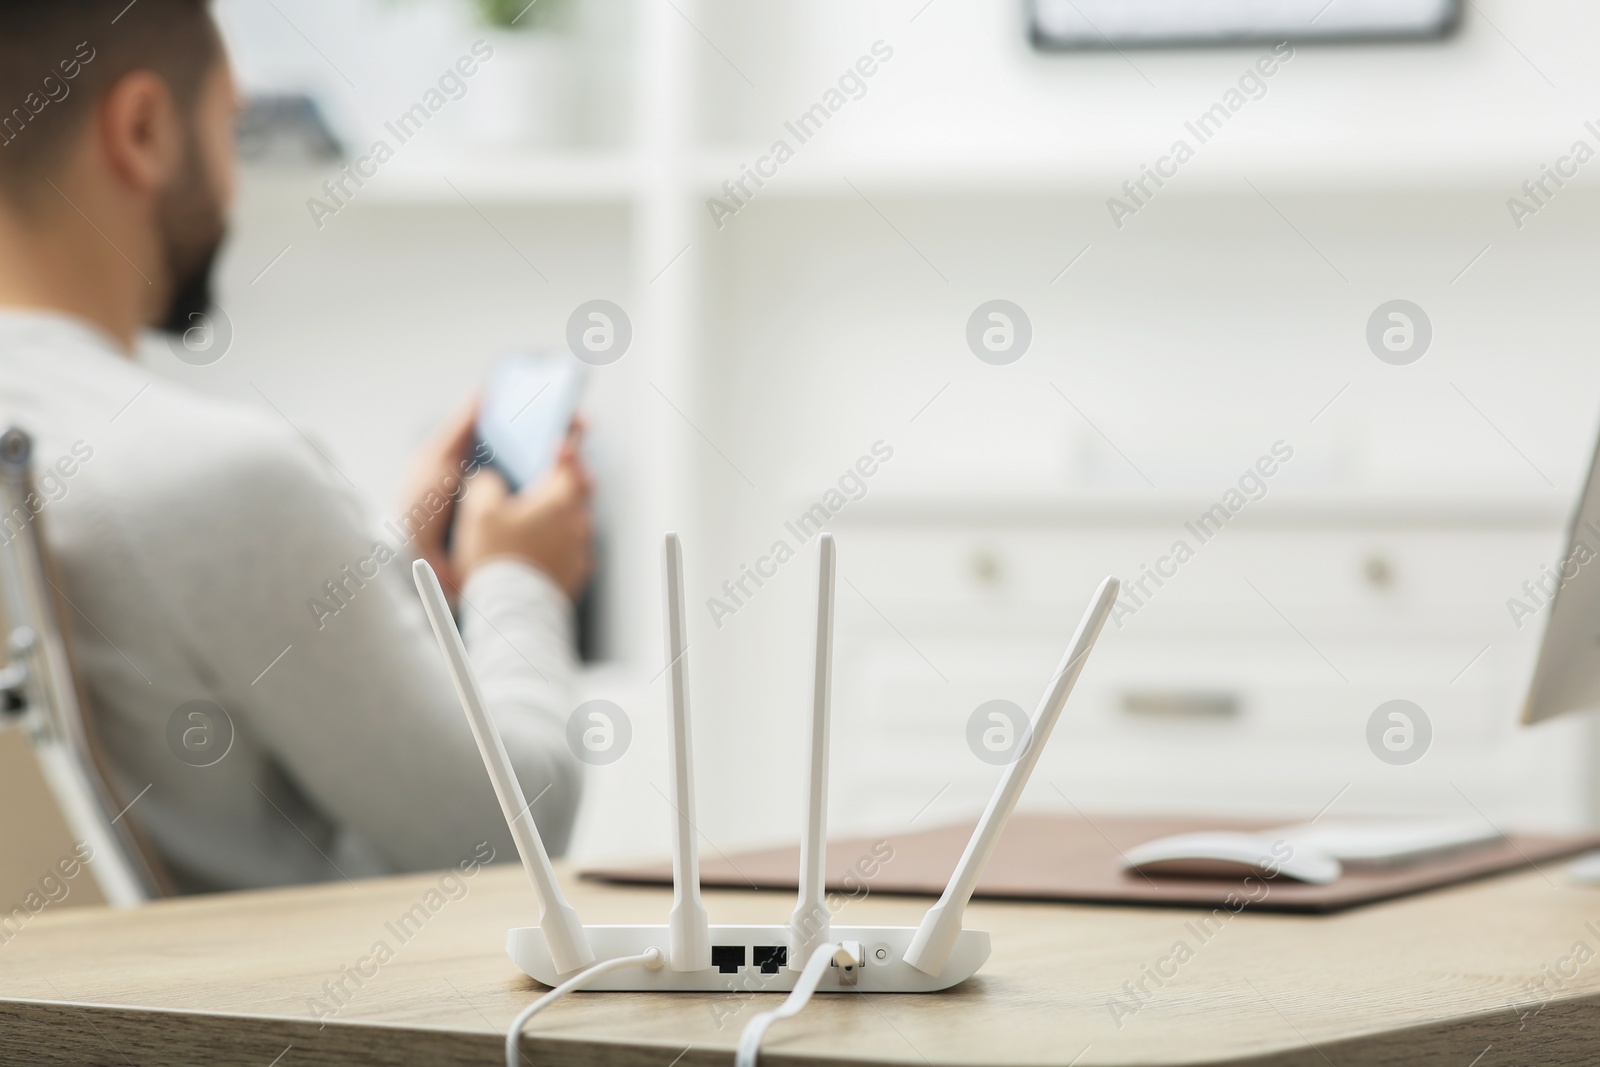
column 210, row 554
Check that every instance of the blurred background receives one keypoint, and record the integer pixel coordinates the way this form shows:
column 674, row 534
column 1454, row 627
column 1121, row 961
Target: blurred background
column 781, row 336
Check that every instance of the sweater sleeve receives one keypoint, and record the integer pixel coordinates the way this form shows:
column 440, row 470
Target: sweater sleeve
column 359, row 712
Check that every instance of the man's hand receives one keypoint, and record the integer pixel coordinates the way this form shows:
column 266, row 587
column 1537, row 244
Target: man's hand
column 437, row 475
column 549, row 524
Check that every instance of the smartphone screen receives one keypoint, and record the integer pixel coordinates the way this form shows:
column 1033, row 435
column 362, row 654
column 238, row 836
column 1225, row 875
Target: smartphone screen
column 529, row 401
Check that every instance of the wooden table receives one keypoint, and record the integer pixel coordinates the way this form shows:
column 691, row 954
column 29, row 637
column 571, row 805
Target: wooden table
column 1443, row 979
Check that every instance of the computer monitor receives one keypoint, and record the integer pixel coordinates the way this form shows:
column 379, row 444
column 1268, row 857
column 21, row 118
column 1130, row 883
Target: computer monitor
column 1567, row 677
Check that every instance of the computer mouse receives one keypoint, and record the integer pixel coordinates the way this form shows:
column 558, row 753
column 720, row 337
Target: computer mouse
column 1232, row 856
column 1585, row 870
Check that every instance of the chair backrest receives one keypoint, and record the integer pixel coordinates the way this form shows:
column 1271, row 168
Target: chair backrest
column 43, row 698
column 39, row 855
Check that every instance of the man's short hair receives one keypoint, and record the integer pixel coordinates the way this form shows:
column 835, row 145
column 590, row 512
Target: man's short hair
column 57, row 57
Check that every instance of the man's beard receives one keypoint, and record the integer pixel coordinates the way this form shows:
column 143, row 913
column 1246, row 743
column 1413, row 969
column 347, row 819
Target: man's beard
column 191, row 297
column 192, row 230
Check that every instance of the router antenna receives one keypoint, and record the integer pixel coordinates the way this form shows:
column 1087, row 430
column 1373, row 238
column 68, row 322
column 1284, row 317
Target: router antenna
column 936, row 936
column 689, row 929
column 563, row 933
column 809, row 926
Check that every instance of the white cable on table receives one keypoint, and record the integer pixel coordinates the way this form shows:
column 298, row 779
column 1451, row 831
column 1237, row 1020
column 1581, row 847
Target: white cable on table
column 804, row 986
column 650, row 959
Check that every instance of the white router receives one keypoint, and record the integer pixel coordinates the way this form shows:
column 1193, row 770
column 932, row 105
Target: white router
column 701, row 957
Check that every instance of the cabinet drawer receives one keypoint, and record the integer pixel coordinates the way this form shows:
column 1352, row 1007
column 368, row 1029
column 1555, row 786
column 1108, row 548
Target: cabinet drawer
column 1361, row 583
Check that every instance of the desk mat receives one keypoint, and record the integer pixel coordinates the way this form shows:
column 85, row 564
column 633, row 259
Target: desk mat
column 1069, row 858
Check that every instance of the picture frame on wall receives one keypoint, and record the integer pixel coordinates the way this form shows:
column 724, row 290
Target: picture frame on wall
column 1060, row 25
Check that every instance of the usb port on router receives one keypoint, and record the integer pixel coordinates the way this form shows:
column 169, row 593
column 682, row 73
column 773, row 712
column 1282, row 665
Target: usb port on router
column 770, row 957
column 727, row 959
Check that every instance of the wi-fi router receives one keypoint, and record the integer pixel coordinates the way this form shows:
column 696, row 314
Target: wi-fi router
column 703, row 957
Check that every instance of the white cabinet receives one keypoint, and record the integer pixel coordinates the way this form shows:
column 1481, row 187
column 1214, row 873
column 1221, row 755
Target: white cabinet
column 1244, row 683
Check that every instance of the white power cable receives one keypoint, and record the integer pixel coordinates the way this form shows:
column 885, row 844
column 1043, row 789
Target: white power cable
column 650, row 959
column 804, row 986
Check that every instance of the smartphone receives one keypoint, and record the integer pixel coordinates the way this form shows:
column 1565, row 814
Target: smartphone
column 529, row 401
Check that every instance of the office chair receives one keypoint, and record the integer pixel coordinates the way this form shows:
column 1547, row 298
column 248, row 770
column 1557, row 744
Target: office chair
column 41, row 697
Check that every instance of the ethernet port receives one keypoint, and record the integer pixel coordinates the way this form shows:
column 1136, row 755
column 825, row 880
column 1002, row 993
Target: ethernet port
column 727, row 959
column 770, row 957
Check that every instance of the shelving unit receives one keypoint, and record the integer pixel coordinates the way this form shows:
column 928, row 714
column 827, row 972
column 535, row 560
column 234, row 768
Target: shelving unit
column 770, row 353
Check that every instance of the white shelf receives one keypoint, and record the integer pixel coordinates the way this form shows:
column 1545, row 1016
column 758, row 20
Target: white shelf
column 1100, row 169
column 521, row 178
column 531, row 177
column 534, row 178
column 1544, row 511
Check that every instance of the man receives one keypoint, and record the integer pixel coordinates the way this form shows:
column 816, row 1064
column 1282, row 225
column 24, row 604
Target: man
column 194, row 536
